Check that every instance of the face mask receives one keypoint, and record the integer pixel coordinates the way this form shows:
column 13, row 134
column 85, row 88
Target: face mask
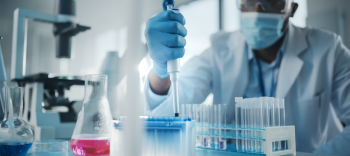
column 261, row 30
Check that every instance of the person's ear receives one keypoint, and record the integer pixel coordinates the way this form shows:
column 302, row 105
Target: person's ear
column 294, row 8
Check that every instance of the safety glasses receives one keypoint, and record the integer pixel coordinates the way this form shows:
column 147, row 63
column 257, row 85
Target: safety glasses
column 271, row 6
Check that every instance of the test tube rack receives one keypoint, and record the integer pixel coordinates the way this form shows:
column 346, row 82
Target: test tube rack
column 212, row 133
column 225, row 139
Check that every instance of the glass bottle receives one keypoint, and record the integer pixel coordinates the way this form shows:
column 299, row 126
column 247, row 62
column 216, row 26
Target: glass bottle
column 92, row 132
column 16, row 135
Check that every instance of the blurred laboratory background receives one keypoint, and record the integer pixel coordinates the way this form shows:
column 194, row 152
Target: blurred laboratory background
column 103, row 49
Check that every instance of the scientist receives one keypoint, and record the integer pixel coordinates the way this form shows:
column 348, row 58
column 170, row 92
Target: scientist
column 308, row 67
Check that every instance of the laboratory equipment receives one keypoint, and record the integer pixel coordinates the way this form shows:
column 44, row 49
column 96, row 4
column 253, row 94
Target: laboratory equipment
column 252, row 132
column 2, row 80
column 163, row 135
column 16, row 135
column 45, row 92
column 173, row 67
column 92, row 132
column 49, row 146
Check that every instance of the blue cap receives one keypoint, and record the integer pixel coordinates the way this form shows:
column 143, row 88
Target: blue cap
column 168, row 3
column 0, row 37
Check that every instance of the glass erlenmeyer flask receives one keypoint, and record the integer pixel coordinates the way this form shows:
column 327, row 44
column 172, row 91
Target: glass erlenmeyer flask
column 92, row 132
column 16, row 135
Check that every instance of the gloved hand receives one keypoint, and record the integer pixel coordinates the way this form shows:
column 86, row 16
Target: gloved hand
column 165, row 34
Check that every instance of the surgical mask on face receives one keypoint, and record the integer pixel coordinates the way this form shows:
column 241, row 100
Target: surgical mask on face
column 261, row 30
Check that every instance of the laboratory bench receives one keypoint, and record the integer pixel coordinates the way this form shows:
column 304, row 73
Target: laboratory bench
column 199, row 152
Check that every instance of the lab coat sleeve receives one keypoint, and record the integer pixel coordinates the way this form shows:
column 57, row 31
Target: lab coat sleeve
column 153, row 99
column 194, row 86
column 340, row 98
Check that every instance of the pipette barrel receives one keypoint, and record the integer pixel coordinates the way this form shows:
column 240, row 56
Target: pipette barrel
column 173, row 67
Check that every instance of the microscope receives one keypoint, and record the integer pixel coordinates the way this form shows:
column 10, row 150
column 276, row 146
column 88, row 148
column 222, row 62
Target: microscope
column 42, row 91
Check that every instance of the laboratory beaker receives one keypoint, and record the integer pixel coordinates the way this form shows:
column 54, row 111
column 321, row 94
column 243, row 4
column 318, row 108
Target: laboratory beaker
column 16, row 135
column 93, row 129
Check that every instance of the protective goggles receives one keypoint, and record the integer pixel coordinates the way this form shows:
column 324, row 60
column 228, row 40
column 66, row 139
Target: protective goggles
column 270, row 6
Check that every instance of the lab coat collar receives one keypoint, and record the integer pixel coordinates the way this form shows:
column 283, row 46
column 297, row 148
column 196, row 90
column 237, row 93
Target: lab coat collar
column 291, row 63
column 289, row 70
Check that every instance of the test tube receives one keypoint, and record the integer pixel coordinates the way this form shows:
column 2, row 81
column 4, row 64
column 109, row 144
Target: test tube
column 198, row 128
column 256, row 124
column 183, row 110
column 222, row 115
column 277, row 121
column 216, row 120
column 252, row 131
column 222, row 125
column 259, row 112
column 189, row 110
column 266, row 114
column 242, row 135
column 284, row 145
column 194, row 112
column 239, row 140
column 205, row 118
column 206, row 115
column 237, row 112
column 271, row 105
column 211, row 119
column 201, row 112
column 247, row 134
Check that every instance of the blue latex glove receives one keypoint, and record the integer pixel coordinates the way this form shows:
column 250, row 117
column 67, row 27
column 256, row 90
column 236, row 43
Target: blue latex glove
column 165, row 34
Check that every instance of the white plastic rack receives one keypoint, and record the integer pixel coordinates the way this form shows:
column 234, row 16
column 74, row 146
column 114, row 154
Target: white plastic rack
column 225, row 139
column 259, row 127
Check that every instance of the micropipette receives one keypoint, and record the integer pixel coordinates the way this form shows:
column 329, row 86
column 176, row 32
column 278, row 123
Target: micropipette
column 173, row 67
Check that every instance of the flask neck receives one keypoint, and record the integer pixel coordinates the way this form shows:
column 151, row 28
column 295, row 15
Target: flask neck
column 95, row 87
column 14, row 103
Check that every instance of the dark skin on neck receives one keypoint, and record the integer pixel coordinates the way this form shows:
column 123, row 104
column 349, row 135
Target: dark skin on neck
column 269, row 54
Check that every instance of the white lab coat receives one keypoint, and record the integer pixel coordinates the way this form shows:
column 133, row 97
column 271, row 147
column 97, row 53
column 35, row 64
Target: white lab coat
column 314, row 80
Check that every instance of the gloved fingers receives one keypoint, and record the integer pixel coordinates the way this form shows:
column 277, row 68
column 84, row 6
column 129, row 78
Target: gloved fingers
column 171, row 16
column 175, row 53
column 171, row 27
column 164, row 53
column 169, row 40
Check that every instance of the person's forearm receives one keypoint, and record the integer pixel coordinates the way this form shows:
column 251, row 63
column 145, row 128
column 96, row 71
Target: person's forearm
column 158, row 85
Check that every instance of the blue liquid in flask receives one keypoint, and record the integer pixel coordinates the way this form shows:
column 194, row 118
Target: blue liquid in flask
column 14, row 148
